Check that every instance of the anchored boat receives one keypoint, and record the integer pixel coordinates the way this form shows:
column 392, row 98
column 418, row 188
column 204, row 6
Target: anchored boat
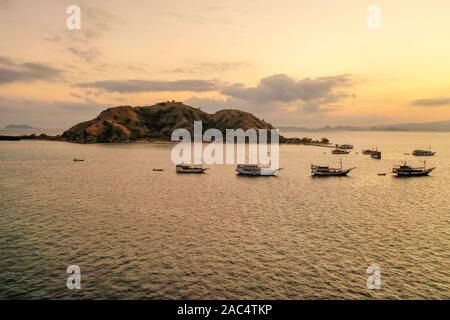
column 346, row 147
column 423, row 153
column 325, row 171
column 255, row 170
column 407, row 171
column 184, row 168
column 340, row 151
column 375, row 154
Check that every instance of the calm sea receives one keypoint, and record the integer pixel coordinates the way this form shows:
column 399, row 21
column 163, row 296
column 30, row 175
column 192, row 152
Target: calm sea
column 141, row 234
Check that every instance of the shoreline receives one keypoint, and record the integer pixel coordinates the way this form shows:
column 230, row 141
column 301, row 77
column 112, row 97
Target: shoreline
column 44, row 137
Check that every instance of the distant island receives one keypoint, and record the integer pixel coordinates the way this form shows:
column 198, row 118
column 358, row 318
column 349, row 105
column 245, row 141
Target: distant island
column 443, row 126
column 18, row 126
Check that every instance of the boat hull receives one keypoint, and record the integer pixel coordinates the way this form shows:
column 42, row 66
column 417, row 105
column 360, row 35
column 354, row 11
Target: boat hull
column 376, row 156
column 191, row 170
column 257, row 172
column 414, row 174
column 424, row 155
column 340, row 152
column 342, row 173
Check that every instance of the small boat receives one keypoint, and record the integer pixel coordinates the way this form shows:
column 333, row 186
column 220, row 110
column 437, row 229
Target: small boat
column 340, row 151
column 255, row 170
column 325, row 171
column 78, row 160
column 158, row 169
column 423, row 153
column 346, row 147
column 184, row 168
column 382, row 174
column 367, row 152
column 375, row 154
column 407, row 171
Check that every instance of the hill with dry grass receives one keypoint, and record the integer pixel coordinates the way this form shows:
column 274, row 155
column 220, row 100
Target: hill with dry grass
column 126, row 123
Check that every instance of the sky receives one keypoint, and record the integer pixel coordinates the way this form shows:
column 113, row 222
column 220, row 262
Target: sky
column 291, row 62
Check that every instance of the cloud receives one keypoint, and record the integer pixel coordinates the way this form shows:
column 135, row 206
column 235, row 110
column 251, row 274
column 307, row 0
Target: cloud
column 6, row 61
column 5, row 4
column 87, row 55
column 51, row 114
column 211, row 67
column 135, row 86
column 209, row 104
column 281, row 93
column 200, row 19
column 435, row 102
column 283, row 88
column 54, row 39
column 11, row 71
column 95, row 23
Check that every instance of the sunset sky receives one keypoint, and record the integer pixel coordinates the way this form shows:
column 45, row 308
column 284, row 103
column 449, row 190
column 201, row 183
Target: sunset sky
column 291, row 62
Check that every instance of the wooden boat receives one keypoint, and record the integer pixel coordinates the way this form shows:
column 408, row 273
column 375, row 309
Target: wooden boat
column 346, row 147
column 367, row 152
column 423, row 153
column 407, row 171
column 158, row 170
column 375, row 154
column 325, row 171
column 255, row 170
column 184, row 168
column 78, row 160
column 340, row 151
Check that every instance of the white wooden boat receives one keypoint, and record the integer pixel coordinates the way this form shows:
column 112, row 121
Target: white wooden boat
column 255, row 170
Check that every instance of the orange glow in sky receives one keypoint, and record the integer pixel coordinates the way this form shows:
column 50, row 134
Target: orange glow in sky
column 292, row 62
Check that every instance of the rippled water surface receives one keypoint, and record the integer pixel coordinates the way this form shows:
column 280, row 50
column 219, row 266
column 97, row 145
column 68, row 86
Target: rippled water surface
column 136, row 233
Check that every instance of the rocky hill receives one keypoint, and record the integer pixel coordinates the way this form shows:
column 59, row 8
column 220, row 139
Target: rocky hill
column 128, row 123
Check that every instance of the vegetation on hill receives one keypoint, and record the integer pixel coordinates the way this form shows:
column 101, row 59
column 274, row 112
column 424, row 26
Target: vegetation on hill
column 126, row 123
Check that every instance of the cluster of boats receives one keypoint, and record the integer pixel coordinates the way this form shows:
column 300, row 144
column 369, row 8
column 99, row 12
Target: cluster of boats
column 374, row 153
column 342, row 149
column 253, row 170
column 241, row 169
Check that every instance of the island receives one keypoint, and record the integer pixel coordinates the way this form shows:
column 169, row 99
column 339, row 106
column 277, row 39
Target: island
column 157, row 122
column 18, row 127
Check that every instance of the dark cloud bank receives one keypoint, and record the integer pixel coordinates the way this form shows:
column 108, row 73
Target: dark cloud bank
column 11, row 71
